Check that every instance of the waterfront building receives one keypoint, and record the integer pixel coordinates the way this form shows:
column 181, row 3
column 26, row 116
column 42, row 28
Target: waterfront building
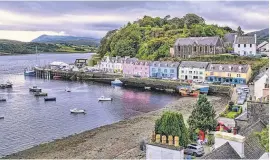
column 80, row 63
column 111, row 64
column 245, row 45
column 58, row 65
column 135, row 67
column 197, row 46
column 230, row 73
column 164, row 69
column 192, row 70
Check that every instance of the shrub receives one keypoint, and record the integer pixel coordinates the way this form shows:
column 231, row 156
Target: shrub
column 210, row 140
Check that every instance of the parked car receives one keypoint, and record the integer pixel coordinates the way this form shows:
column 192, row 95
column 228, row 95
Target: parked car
column 208, row 82
column 197, row 81
column 194, row 149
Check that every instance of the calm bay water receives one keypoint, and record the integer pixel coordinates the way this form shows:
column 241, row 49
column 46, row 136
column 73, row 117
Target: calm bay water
column 30, row 121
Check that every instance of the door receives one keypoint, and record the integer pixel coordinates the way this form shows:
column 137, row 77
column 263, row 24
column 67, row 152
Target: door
column 186, row 77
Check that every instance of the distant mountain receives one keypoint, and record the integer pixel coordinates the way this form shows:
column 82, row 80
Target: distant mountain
column 67, row 39
column 262, row 35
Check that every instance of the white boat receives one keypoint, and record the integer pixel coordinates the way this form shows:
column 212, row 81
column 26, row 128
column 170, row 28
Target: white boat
column 102, row 98
column 75, row 110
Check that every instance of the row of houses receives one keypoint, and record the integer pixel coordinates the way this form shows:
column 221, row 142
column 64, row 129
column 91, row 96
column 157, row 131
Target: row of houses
column 185, row 70
column 197, row 46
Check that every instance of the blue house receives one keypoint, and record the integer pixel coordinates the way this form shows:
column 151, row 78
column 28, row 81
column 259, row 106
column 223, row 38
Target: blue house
column 164, row 69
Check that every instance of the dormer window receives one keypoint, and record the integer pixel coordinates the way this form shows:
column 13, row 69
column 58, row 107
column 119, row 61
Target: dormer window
column 240, row 68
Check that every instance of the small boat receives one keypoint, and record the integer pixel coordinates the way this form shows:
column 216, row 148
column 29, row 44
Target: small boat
column 35, row 89
column 75, row 110
column 67, row 90
column 147, row 88
column 39, row 94
column 188, row 91
column 50, row 99
column 102, row 98
column 9, row 84
column 117, row 82
column 2, row 86
column 2, row 117
column 56, row 77
column 29, row 72
column 3, row 100
column 204, row 89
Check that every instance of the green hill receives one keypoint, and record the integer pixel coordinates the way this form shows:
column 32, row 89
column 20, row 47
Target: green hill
column 17, row 47
column 151, row 37
column 262, row 35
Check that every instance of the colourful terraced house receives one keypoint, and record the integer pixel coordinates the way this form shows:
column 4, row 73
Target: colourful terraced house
column 164, row 69
column 135, row 67
column 230, row 73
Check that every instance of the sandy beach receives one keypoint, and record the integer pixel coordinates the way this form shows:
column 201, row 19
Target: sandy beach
column 116, row 141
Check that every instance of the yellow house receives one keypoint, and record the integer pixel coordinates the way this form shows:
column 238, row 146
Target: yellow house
column 230, row 73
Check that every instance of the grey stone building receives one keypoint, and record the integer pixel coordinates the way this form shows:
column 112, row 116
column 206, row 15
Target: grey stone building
column 196, row 46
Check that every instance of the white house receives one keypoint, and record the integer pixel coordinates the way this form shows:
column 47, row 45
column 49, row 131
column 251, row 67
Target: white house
column 245, row 45
column 263, row 47
column 111, row 64
column 58, row 65
column 261, row 85
column 159, row 151
column 192, row 70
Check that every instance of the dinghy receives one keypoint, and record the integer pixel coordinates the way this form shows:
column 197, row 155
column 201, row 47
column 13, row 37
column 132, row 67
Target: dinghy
column 75, row 110
column 102, row 98
column 3, row 100
column 39, row 94
column 35, row 89
column 50, row 99
column 1, row 117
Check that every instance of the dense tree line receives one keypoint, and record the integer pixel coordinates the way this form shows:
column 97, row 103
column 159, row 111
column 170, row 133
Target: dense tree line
column 150, row 38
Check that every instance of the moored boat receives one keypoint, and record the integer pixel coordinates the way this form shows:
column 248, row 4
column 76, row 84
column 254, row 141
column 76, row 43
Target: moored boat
column 102, row 98
column 39, row 94
column 204, row 89
column 117, row 82
column 75, row 110
column 188, row 91
column 1, row 117
column 29, row 72
column 35, row 89
column 3, row 100
column 50, row 99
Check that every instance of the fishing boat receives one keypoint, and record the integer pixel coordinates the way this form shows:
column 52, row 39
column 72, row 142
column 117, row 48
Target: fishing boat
column 102, row 98
column 50, row 99
column 3, row 100
column 188, row 91
column 29, row 72
column 75, row 110
column 39, row 94
column 117, row 82
column 9, row 84
column 56, row 77
column 204, row 89
column 35, row 89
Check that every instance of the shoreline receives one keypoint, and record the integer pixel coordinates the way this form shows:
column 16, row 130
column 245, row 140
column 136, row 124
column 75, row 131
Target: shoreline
column 19, row 54
column 118, row 140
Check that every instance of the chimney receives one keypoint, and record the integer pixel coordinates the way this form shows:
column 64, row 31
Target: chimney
column 157, row 138
column 235, row 38
column 176, row 141
column 255, row 36
column 235, row 140
column 164, row 139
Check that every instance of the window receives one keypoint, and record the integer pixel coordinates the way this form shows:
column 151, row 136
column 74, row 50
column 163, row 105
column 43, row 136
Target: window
column 238, row 45
column 245, row 45
column 194, row 49
column 238, row 52
column 179, row 48
column 229, row 74
column 172, row 70
column 190, row 77
column 200, row 49
column 211, row 73
column 153, row 69
column 159, row 70
column 238, row 75
column 165, row 70
column 182, row 71
column 182, row 76
column 190, row 72
column 250, row 45
column 201, row 72
column 201, row 77
column 250, row 52
column 194, row 72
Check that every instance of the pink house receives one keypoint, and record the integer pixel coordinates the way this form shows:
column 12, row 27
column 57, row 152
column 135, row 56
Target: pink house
column 134, row 67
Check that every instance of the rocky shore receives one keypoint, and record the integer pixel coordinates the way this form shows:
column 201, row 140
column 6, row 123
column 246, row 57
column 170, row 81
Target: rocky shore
column 119, row 140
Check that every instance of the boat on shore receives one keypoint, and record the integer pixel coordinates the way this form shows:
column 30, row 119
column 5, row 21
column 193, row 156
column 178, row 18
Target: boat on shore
column 117, row 82
column 3, row 100
column 35, row 89
column 75, row 110
column 204, row 89
column 6, row 85
column 50, row 99
column 29, row 72
column 188, row 91
column 40, row 94
column 102, row 98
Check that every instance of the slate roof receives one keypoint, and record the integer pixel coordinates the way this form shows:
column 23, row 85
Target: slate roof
column 242, row 117
column 261, row 74
column 245, row 40
column 197, row 40
column 113, row 59
column 229, row 37
column 131, row 60
column 226, row 68
column 225, row 151
column 143, row 62
column 262, row 44
column 165, row 64
column 194, row 64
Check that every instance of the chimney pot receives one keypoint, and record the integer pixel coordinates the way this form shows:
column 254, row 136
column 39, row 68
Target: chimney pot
column 170, row 138
column 164, row 139
column 157, row 138
column 153, row 136
column 176, row 141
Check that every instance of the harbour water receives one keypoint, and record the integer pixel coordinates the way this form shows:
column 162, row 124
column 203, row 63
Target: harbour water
column 29, row 121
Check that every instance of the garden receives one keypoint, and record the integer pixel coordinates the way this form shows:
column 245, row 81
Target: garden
column 231, row 111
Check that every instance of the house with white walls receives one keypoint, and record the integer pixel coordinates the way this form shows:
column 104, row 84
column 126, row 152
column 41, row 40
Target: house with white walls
column 245, row 45
column 111, row 64
column 192, row 70
column 261, row 85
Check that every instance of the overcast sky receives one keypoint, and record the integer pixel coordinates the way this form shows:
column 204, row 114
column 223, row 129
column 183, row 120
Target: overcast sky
column 25, row 21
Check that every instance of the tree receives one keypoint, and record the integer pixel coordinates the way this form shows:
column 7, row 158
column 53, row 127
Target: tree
column 191, row 19
column 202, row 116
column 264, row 138
column 239, row 31
column 172, row 123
